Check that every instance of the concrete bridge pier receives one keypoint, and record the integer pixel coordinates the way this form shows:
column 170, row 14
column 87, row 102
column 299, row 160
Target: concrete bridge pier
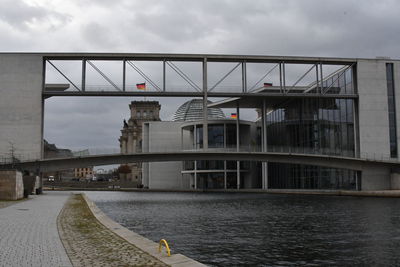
column 380, row 178
column 395, row 179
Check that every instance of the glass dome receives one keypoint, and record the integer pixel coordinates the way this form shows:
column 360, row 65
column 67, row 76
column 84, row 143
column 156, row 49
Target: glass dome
column 192, row 110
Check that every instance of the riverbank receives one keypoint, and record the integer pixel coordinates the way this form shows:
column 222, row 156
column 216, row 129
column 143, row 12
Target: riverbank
column 92, row 239
column 381, row 193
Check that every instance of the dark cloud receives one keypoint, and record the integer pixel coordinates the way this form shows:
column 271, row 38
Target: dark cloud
column 19, row 15
column 99, row 36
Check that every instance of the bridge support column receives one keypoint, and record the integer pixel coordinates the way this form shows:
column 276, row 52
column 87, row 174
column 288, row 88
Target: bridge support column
column 375, row 178
column 395, row 180
column 205, row 106
column 264, row 148
column 225, row 175
column 195, row 174
column 237, row 145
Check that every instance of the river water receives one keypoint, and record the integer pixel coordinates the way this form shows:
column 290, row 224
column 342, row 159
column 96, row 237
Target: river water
column 242, row 229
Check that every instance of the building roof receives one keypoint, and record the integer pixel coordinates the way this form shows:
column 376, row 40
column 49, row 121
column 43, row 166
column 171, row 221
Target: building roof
column 192, row 110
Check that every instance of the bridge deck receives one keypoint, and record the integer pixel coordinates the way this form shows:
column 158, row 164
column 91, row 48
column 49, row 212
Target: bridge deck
column 291, row 158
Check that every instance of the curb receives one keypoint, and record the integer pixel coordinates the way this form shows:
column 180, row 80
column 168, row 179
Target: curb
column 150, row 247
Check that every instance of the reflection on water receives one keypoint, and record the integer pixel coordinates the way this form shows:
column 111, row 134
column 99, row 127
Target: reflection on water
column 262, row 229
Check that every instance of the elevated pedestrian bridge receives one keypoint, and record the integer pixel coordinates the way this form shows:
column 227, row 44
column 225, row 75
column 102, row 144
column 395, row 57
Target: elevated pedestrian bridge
column 357, row 164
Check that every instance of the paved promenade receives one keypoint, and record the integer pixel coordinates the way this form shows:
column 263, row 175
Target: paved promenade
column 28, row 232
column 90, row 243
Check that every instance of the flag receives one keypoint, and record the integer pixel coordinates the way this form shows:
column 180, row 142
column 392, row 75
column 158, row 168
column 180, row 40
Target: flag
column 233, row 116
column 267, row 84
column 141, row 86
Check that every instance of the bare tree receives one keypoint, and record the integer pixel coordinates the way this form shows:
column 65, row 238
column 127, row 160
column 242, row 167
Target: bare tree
column 12, row 154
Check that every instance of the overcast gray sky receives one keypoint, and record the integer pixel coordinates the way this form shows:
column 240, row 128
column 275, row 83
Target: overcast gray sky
column 340, row 28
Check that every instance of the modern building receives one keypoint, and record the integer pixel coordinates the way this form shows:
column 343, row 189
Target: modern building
column 323, row 126
column 186, row 132
column 341, row 107
column 131, row 133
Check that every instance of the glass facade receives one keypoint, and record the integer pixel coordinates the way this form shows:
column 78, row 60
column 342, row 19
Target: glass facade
column 391, row 110
column 210, row 174
column 215, row 136
column 295, row 176
column 314, row 126
column 210, row 180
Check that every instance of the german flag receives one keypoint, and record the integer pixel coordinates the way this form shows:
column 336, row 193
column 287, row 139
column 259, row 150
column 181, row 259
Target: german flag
column 267, row 84
column 141, row 86
column 233, row 116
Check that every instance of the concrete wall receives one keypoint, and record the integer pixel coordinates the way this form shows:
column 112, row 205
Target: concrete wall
column 375, row 178
column 162, row 136
column 11, row 185
column 374, row 121
column 21, row 105
column 395, row 181
column 373, row 109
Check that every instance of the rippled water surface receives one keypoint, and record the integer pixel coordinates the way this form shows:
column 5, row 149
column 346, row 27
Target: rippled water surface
column 262, row 229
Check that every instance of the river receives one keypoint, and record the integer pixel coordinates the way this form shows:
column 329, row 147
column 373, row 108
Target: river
column 243, row 229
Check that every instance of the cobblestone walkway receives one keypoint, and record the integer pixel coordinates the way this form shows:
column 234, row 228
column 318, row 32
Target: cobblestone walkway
column 6, row 203
column 89, row 243
column 28, row 232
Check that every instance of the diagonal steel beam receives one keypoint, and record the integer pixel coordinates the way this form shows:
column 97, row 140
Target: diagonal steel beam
column 141, row 73
column 103, row 75
column 313, row 84
column 263, row 77
column 340, row 75
column 301, row 78
column 223, row 78
column 184, row 76
column 59, row 71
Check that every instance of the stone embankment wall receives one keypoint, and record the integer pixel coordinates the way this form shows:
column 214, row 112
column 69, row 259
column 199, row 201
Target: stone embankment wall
column 11, row 185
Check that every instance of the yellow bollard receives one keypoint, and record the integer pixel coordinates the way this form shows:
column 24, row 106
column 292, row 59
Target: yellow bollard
column 163, row 241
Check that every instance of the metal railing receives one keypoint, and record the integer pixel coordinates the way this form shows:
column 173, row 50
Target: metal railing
column 24, row 157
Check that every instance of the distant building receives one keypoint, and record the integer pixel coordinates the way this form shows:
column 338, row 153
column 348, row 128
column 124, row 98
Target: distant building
column 52, row 151
column 84, row 173
column 131, row 134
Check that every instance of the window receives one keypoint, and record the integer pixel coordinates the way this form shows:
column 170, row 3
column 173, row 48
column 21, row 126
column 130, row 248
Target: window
column 215, row 136
column 391, row 110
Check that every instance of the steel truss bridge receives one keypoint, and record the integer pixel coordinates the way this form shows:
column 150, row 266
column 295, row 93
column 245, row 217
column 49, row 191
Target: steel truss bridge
column 245, row 95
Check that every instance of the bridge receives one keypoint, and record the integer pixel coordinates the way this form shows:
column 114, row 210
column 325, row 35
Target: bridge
column 55, row 164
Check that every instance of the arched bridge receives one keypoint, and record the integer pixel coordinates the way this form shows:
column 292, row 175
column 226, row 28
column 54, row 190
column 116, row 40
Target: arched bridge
column 357, row 164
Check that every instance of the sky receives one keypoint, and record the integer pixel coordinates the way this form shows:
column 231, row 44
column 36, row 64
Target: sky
column 329, row 28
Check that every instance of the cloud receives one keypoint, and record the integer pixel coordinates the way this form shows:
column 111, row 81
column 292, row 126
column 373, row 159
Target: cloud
column 350, row 28
column 24, row 17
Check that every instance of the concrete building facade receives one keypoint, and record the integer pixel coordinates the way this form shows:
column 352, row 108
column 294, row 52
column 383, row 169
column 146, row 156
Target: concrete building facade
column 21, row 105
